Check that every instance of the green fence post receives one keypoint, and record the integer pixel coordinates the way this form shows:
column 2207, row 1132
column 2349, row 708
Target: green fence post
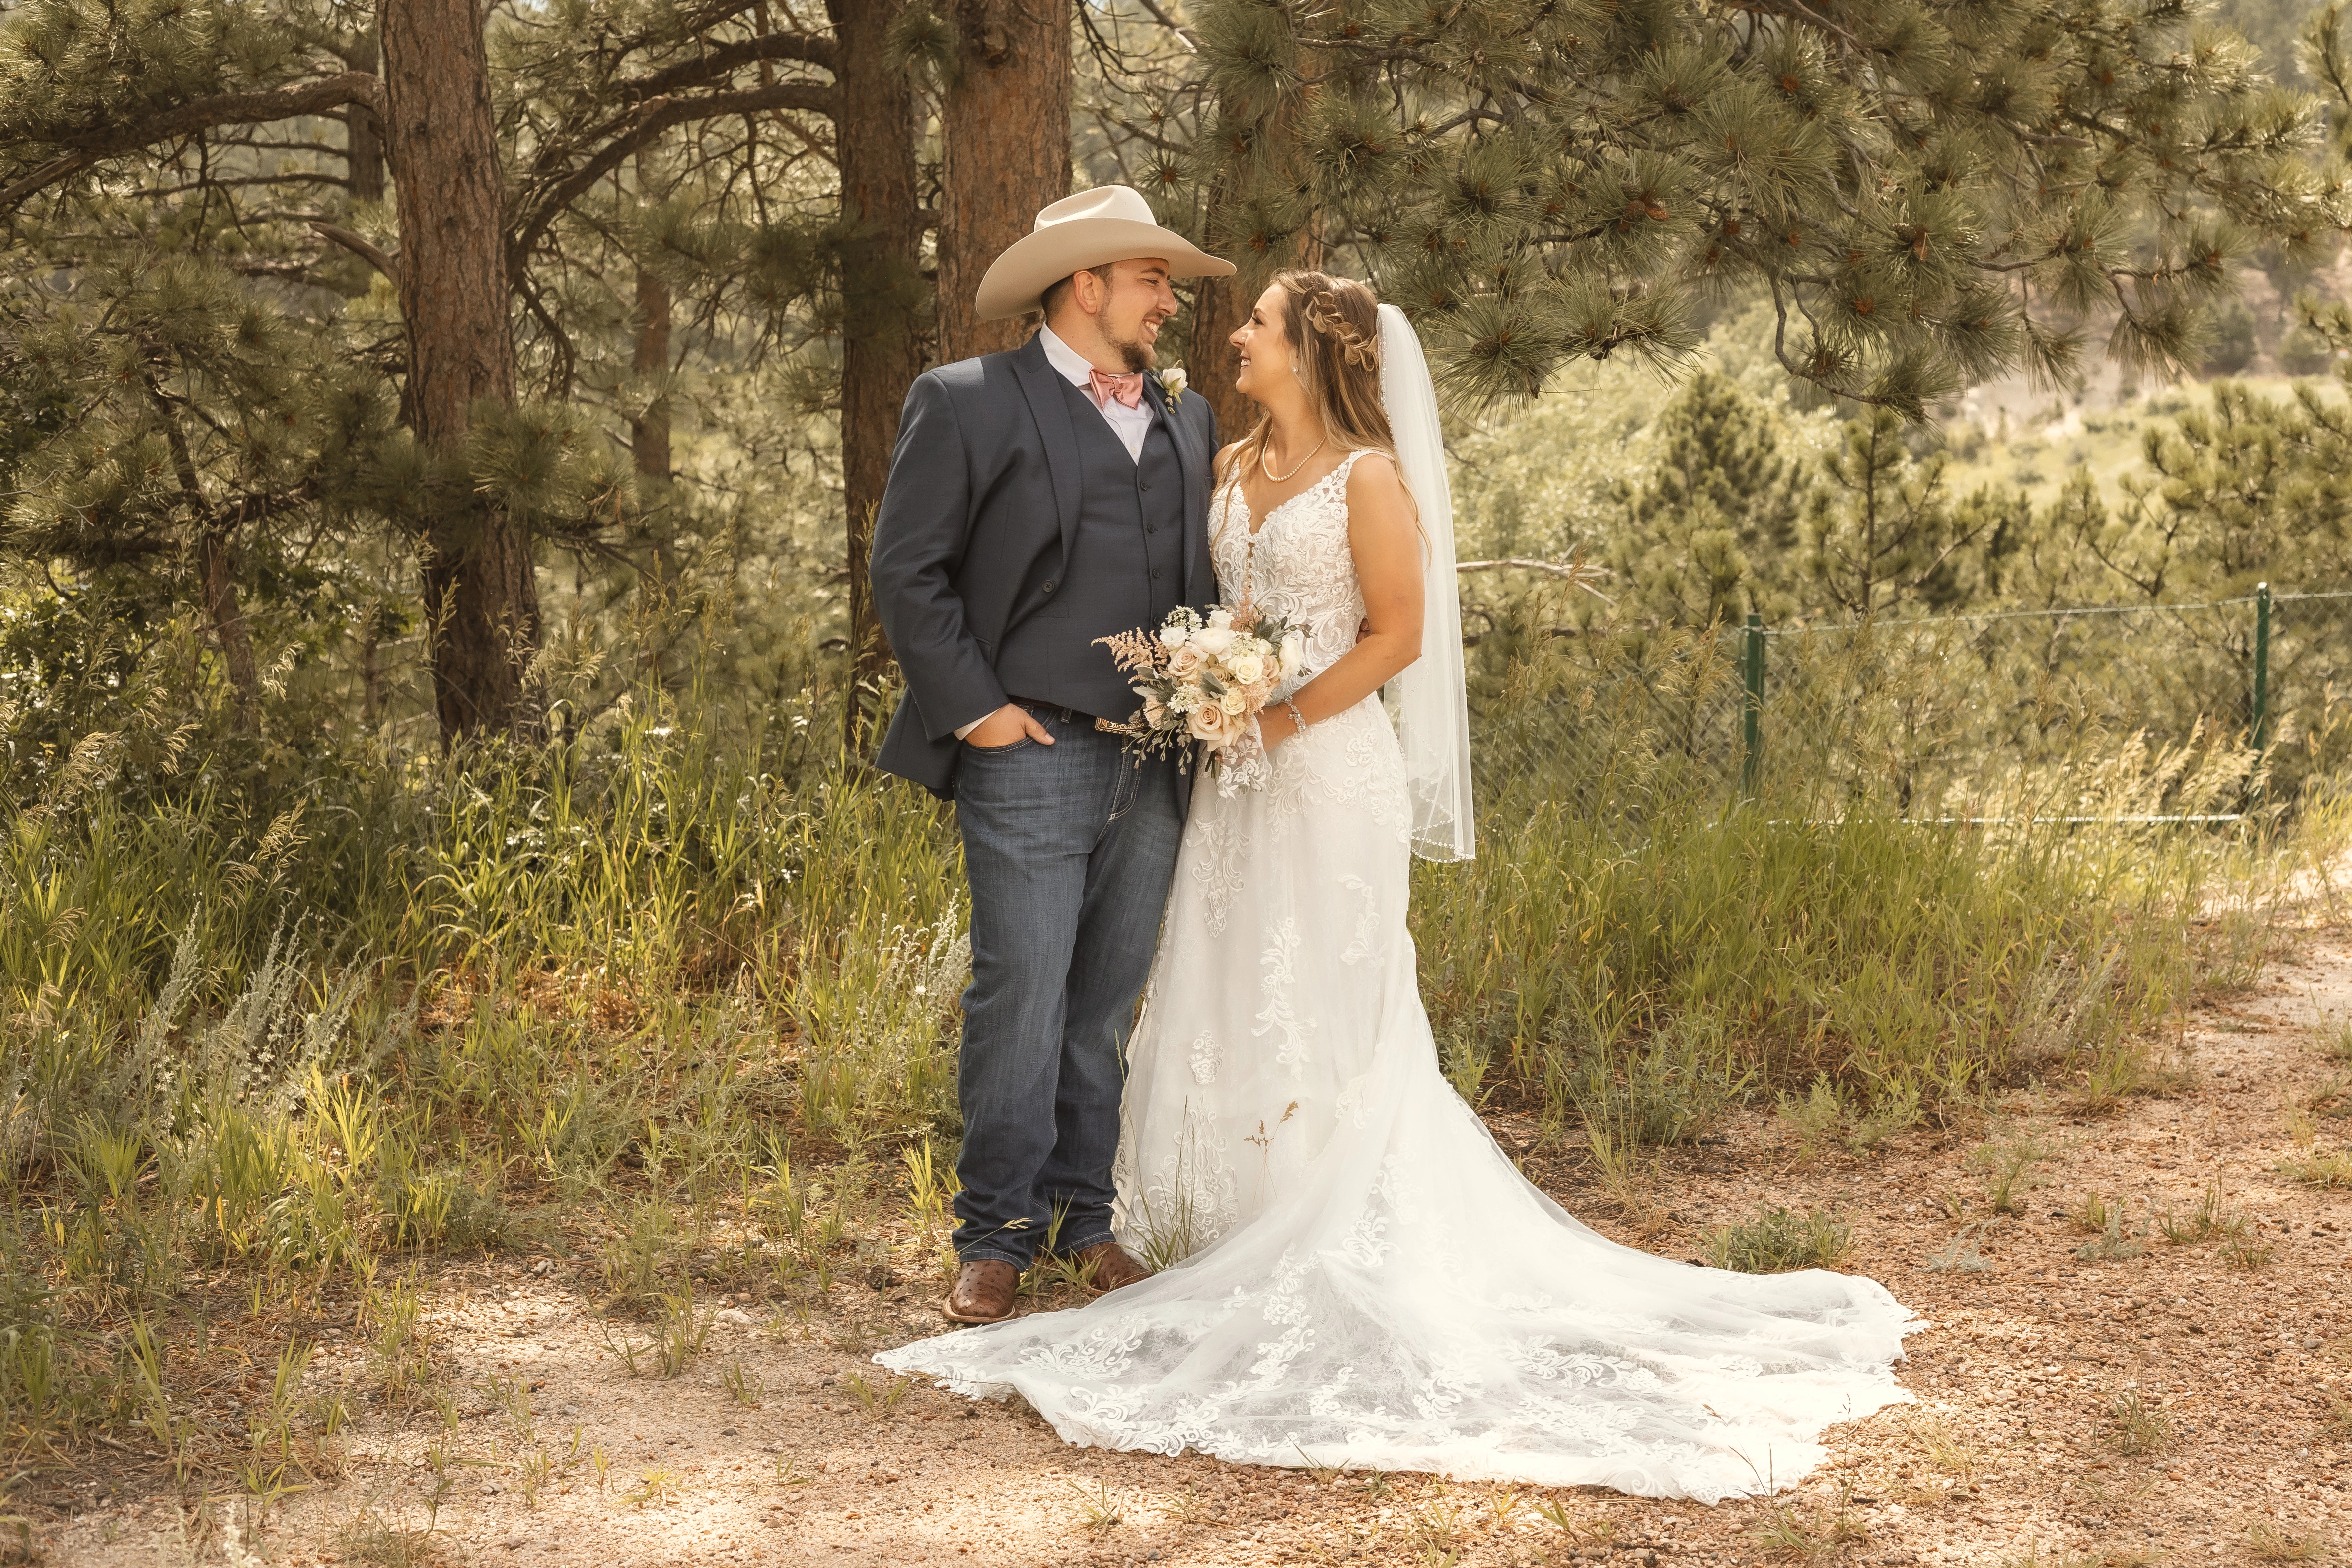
column 2262, row 666
column 1751, row 718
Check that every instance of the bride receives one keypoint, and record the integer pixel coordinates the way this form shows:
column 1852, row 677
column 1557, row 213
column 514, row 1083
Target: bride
column 1351, row 1272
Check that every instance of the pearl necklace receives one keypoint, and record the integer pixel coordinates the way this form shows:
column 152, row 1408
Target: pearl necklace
column 1285, row 479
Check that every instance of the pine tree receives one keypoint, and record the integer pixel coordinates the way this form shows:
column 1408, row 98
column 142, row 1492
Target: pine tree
column 138, row 133
column 1708, row 531
column 1878, row 533
column 2248, row 489
column 1929, row 194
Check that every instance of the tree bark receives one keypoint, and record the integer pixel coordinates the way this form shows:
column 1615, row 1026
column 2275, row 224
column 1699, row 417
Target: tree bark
column 1210, row 361
column 881, row 349
column 214, row 581
column 228, row 627
column 363, row 132
column 1005, row 136
column 649, row 431
column 481, row 596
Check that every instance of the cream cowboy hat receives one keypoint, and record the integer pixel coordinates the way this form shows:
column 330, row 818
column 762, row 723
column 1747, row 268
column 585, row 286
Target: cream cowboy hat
column 1093, row 229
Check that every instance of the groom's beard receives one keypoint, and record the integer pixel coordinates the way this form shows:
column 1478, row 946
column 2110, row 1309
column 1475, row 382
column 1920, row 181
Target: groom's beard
column 1131, row 352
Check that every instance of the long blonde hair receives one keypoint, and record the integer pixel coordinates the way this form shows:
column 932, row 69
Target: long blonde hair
column 1334, row 327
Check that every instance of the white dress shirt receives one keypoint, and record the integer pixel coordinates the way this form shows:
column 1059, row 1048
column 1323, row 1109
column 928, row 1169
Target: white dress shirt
column 1129, row 424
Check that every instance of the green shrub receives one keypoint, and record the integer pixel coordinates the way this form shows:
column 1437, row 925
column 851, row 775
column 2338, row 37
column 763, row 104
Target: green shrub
column 1669, row 1090
column 1778, row 1240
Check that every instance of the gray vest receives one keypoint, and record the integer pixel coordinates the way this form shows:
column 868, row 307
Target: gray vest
column 1126, row 570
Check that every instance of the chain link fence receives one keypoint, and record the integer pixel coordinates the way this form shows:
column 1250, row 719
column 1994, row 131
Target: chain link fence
column 2155, row 712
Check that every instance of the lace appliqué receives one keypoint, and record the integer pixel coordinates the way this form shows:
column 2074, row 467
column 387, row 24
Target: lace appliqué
column 1218, row 847
column 1280, row 962
column 1182, row 1200
column 1206, row 1055
column 1244, row 764
column 1097, row 1356
column 1302, row 569
column 1366, row 944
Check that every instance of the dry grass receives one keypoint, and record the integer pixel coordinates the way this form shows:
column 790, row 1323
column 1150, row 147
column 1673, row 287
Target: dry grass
column 1100, row 1512
column 1786, row 1529
column 371, row 1539
column 2136, row 1427
column 2324, row 1168
column 2267, row 1543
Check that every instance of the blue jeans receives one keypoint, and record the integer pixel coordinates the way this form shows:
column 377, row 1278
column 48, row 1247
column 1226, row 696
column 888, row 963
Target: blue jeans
column 1069, row 848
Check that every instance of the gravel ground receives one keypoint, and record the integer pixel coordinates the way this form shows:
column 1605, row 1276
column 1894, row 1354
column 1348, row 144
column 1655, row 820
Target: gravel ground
column 2179, row 1404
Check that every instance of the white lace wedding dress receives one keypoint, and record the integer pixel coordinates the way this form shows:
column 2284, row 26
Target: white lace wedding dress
column 1365, row 1279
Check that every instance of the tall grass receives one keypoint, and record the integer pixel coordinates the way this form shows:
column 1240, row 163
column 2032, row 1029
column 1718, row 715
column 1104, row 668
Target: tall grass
column 302, row 1031
column 1627, row 887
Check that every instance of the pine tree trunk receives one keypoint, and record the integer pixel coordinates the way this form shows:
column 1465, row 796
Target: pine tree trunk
column 649, row 431
column 1210, row 361
column 881, row 350
column 370, row 670
column 363, row 134
column 1004, row 138
column 215, row 580
column 481, row 597
column 228, row 627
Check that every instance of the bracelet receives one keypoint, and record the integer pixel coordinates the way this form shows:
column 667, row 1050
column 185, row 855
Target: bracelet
column 1296, row 718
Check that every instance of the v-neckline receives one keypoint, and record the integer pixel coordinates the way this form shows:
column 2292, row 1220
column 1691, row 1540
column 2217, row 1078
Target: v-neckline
column 1258, row 525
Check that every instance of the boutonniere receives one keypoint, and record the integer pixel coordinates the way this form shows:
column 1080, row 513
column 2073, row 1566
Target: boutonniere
column 1171, row 381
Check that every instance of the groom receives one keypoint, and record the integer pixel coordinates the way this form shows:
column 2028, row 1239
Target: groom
column 1039, row 500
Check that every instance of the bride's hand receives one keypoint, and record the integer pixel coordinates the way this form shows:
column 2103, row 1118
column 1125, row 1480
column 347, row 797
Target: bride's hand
column 1275, row 725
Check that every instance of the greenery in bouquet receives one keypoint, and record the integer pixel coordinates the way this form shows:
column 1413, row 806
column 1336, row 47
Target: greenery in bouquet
column 1204, row 675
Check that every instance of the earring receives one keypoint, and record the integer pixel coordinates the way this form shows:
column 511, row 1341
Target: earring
column 1297, row 372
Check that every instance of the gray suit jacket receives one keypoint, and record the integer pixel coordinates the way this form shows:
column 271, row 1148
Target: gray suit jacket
column 977, row 522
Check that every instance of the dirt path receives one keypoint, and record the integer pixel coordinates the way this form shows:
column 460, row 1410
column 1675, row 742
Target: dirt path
column 2175, row 1404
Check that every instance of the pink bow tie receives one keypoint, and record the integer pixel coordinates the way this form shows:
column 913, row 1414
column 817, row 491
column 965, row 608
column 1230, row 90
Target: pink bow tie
column 1127, row 388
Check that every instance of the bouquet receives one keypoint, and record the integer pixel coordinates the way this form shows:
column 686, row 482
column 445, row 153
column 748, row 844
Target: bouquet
column 1205, row 678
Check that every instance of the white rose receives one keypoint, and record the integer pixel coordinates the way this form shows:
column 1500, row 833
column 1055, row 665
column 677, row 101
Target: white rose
column 1174, row 637
column 1294, row 653
column 1249, row 669
column 1221, row 618
column 1173, row 379
column 1235, row 703
column 1213, row 639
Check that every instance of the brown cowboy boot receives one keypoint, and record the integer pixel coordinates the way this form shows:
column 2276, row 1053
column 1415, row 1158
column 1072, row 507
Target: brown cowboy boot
column 982, row 1293
column 1105, row 1267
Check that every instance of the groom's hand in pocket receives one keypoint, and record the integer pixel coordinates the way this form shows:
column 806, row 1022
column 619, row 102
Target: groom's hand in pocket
column 1004, row 726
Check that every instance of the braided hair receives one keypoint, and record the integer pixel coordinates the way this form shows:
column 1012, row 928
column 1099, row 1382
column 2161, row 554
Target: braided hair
column 1334, row 327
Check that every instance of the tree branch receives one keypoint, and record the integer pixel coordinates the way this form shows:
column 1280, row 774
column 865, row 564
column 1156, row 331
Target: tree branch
column 387, row 264
column 90, row 143
column 652, row 117
column 724, row 61
column 230, row 109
